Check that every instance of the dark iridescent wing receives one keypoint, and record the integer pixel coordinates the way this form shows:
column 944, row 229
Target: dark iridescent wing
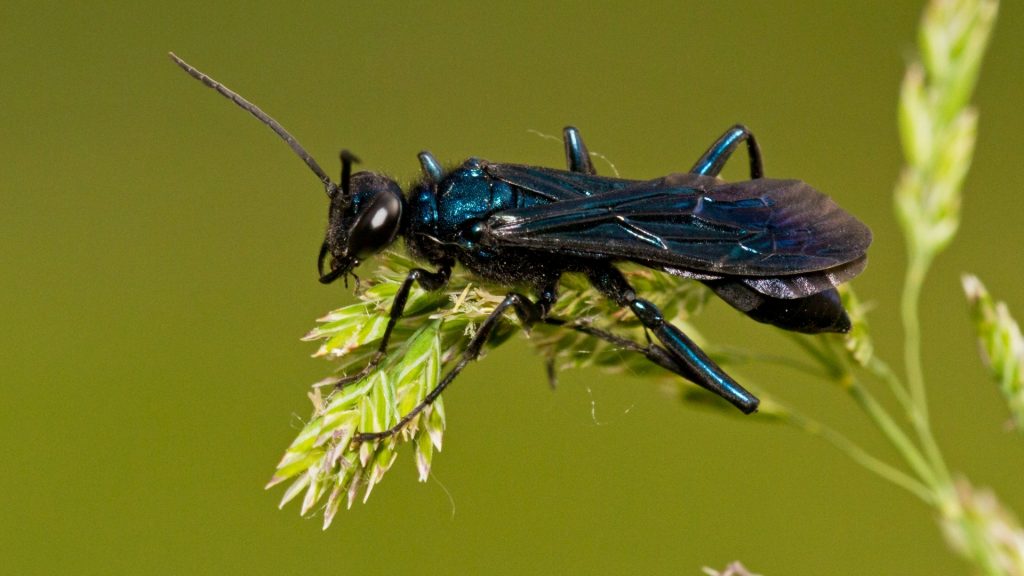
column 757, row 228
column 796, row 286
column 555, row 185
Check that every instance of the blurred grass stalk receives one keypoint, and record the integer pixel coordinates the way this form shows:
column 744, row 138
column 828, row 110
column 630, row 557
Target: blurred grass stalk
column 1000, row 344
column 938, row 130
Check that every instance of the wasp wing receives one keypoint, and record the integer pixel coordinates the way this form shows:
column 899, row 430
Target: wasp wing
column 786, row 287
column 551, row 185
column 685, row 222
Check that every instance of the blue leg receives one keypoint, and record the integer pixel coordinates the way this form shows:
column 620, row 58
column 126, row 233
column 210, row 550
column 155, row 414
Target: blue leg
column 699, row 368
column 431, row 167
column 576, row 155
column 712, row 162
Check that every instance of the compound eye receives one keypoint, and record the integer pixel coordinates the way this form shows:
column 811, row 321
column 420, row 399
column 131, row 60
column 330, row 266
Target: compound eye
column 376, row 225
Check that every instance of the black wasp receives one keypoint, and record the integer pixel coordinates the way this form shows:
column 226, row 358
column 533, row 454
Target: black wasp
column 773, row 249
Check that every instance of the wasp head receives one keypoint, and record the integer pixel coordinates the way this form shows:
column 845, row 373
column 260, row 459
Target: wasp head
column 366, row 208
column 364, row 218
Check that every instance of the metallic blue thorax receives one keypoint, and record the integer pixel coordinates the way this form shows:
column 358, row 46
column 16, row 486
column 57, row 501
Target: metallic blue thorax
column 444, row 214
column 467, row 195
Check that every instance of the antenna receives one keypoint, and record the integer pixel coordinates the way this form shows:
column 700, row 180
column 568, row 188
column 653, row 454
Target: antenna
column 330, row 187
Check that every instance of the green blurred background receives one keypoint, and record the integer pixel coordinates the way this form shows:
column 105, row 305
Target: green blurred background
column 158, row 251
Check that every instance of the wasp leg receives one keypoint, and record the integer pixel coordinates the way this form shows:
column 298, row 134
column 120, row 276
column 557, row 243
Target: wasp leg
column 528, row 313
column 654, row 353
column 429, row 281
column 576, row 155
column 701, row 369
column 712, row 162
column 432, row 170
column 546, row 297
column 347, row 159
